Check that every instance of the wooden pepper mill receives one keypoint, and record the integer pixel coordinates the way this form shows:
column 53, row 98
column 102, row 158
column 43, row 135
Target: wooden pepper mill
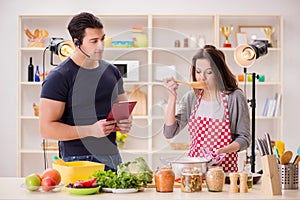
column 234, row 188
column 243, row 182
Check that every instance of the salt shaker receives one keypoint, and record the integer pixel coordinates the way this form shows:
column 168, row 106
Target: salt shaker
column 234, row 188
column 243, row 182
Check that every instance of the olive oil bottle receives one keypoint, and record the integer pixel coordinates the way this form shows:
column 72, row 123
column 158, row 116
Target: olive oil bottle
column 247, row 169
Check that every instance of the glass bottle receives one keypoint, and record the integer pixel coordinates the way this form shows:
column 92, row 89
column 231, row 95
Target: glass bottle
column 30, row 70
column 164, row 179
column 191, row 180
column 201, row 41
column 215, row 179
column 247, row 169
column 37, row 74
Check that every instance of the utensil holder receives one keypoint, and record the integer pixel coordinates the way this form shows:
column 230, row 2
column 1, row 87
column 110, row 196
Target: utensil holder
column 289, row 176
column 271, row 183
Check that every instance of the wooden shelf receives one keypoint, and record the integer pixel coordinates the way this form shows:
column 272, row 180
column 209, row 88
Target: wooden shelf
column 162, row 31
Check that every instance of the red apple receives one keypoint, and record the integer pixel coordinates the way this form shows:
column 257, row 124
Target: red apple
column 48, row 183
column 53, row 173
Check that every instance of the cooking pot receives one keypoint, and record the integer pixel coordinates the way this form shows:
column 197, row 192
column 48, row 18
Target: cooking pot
column 179, row 163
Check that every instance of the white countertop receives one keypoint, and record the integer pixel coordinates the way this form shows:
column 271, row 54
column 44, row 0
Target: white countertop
column 10, row 188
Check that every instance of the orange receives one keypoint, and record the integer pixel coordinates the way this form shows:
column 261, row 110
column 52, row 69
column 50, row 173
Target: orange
column 53, row 173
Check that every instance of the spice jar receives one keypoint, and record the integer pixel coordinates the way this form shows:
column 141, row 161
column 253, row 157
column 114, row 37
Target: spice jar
column 191, row 180
column 215, row 179
column 164, row 180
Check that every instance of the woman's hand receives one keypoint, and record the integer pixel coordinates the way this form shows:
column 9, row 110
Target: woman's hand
column 219, row 151
column 124, row 126
column 171, row 86
column 232, row 147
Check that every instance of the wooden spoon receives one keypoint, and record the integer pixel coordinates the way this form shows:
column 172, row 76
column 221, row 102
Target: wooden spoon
column 286, row 157
column 194, row 84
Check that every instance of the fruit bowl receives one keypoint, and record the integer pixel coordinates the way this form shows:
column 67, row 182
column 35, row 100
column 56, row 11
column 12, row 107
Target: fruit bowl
column 55, row 188
column 83, row 191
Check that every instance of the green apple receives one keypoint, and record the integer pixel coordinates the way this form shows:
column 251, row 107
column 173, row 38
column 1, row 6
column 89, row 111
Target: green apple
column 32, row 182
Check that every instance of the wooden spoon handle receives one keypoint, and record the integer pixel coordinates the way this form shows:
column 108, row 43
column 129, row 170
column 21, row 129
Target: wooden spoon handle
column 183, row 82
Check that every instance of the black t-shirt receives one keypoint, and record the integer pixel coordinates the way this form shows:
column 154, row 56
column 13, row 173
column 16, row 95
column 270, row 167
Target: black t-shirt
column 88, row 95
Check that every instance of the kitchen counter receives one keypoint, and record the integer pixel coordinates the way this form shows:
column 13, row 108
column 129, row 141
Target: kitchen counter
column 10, row 188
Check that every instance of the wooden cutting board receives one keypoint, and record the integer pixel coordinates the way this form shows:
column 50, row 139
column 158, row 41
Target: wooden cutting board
column 141, row 98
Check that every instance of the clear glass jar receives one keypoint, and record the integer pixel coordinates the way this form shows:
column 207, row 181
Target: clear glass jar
column 191, row 180
column 215, row 179
column 164, row 180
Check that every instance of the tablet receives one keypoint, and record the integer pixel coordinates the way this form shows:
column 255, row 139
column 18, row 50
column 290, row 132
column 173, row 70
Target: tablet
column 121, row 110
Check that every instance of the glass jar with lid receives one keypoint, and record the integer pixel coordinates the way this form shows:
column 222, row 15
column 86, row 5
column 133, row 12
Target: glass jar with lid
column 215, row 179
column 191, row 179
column 164, row 180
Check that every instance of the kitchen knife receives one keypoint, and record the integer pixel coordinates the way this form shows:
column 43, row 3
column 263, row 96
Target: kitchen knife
column 264, row 145
column 269, row 145
column 260, row 149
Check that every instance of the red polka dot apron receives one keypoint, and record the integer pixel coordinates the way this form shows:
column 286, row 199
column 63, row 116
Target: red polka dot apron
column 212, row 134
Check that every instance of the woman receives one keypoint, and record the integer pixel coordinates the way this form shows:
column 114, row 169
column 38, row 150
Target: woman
column 217, row 115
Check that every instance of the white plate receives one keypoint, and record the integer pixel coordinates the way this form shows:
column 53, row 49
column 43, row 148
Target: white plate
column 116, row 190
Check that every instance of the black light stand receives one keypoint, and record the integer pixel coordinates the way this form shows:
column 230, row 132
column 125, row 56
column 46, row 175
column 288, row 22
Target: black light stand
column 54, row 47
column 245, row 56
column 252, row 102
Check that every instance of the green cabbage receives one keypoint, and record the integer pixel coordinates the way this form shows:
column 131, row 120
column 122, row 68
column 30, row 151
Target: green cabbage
column 138, row 167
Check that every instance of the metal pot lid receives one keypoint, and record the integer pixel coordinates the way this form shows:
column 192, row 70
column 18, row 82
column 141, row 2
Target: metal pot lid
column 187, row 160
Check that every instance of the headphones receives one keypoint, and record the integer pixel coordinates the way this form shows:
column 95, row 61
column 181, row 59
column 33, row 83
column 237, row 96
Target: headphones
column 77, row 43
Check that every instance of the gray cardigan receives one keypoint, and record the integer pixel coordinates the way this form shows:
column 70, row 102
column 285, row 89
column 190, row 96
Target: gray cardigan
column 238, row 116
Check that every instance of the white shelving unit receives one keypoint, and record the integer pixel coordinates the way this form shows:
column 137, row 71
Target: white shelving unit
column 146, row 138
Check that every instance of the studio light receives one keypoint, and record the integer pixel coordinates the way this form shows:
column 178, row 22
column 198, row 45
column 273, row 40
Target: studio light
column 60, row 47
column 245, row 56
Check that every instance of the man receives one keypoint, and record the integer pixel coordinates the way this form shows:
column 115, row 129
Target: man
column 77, row 96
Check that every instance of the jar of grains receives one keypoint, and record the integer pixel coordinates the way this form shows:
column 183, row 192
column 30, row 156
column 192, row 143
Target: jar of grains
column 164, row 180
column 191, row 180
column 215, row 179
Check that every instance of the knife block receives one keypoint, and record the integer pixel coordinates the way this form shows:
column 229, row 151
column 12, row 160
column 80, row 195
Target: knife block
column 271, row 182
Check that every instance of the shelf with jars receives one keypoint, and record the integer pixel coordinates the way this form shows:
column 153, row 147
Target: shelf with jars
column 163, row 46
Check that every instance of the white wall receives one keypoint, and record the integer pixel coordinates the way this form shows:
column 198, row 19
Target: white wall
column 10, row 9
